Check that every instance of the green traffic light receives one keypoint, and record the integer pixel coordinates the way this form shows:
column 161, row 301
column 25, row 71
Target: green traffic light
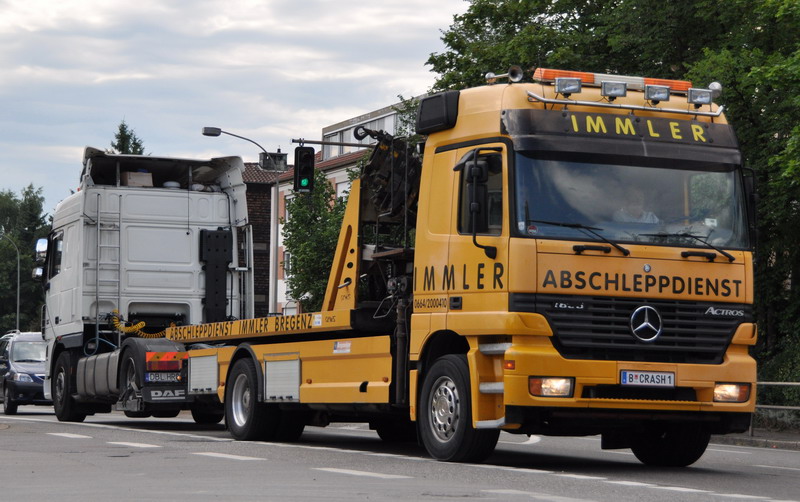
column 304, row 182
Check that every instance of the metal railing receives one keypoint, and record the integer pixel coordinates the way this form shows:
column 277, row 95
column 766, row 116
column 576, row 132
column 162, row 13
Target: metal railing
column 778, row 384
column 772, row 406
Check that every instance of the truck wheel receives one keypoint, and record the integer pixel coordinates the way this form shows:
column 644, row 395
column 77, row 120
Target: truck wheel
column 9, row 406
column 445, row 419
column 206, row 416
column 132, row 385
column 675, row 445
column 63, row 403
column 247, row 419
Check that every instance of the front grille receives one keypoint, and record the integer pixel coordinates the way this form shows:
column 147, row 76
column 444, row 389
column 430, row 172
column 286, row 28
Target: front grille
column 598, row 328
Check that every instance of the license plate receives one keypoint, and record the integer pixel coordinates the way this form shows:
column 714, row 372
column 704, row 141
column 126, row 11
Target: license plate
column 170, row 377
column 647, row 378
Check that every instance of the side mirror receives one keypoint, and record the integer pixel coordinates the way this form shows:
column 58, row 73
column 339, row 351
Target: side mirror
column 41, row 250
column 37, row 274
column 751, row 200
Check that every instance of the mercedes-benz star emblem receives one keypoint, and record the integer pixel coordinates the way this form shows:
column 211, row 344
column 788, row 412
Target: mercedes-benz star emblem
column 646, row 323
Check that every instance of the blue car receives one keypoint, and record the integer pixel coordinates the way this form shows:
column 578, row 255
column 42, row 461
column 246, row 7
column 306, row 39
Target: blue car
column 22, row 360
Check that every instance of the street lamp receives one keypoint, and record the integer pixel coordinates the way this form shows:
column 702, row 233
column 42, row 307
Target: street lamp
column 3, row 235
column 268, row 163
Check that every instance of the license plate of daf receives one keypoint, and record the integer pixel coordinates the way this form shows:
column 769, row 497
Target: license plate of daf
column 162, row 377
column 647, row 378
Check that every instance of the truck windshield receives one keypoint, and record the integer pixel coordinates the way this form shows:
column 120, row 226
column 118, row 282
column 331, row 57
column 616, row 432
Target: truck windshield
column 687, row 207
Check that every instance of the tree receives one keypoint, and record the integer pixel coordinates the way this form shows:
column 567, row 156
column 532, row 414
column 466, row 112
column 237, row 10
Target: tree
column 23, row 222
column 126, row 141
column 752, row 47
column 310, row 235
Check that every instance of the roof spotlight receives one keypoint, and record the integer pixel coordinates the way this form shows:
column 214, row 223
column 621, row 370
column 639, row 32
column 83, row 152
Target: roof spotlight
column 656, row 93
column 613, row 90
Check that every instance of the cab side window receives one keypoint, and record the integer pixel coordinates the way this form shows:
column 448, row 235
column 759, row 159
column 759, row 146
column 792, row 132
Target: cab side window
column 488, row 194
column 56, row 255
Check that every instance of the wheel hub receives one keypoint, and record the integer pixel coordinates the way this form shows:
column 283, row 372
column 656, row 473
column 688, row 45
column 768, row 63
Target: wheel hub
column 445, row 409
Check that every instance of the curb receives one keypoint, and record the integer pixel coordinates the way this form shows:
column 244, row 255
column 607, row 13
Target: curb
column 742, row 440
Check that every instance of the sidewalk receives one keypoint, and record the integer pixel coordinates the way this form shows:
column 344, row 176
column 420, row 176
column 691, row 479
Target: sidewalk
column 764, row 438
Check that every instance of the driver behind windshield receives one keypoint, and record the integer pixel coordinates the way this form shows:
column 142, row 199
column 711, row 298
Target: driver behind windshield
column 632, row 211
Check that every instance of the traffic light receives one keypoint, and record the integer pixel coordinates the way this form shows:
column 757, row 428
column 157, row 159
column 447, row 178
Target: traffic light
column 303, row 169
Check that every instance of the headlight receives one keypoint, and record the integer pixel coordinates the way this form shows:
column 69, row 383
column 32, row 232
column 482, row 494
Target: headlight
column 22, row 377
column 731, row 392
column 550, row 386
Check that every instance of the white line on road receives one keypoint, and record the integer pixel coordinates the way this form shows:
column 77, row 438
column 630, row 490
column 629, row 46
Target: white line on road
column 536, row 495
column 778, row 467
column 736, row 452
column 134, row 445
column 631, row 483
column 742, row 497
column 581, row 476
column 69, row 435
column 530, row 440
column 361, row 473
column 224, row 455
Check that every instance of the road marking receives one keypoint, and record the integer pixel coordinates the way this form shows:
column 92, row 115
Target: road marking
column 134, row 445
column 778, row 467
column 225, row 456
column 530, row 440
column 631, row 483
column 361, row 473
column 69, row 435
column 730, row 451
column 536, row 495
column 740, row 496
column 512, row 469
column 682, row 489
column 580, row 476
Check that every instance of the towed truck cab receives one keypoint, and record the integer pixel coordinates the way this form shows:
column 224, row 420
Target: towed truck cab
column 145, row 243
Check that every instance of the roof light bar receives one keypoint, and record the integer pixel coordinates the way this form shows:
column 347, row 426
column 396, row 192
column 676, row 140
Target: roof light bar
column 588, row 78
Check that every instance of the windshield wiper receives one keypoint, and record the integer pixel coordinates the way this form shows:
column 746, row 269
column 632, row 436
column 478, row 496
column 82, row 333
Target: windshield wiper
column 587, row 230
column 724, row 253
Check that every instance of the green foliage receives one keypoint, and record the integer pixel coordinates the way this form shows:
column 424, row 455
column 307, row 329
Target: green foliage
column 126, row 141
column 752, row 47
column 22, row 222
column 310, row 236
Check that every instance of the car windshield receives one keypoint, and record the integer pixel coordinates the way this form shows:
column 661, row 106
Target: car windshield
column 28, row 352
column 688, row 207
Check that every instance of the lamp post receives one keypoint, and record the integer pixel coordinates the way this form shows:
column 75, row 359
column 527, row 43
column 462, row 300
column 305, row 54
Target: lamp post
column 3, row 235
column 265, row 161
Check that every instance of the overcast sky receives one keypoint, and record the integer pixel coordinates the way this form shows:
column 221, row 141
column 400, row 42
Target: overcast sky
column 270, row 70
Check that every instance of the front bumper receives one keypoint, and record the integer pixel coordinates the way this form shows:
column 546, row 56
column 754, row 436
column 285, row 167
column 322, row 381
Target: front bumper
column 28, row 393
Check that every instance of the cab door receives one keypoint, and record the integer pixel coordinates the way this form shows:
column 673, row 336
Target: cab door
column 476, row 278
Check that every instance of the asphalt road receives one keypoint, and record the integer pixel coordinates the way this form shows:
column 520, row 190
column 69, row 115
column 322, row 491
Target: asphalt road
column 110, row 457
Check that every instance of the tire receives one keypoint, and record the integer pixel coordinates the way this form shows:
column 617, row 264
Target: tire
column 64, row 404
column 397, row 431
column 207, row 416
column 246, row 418
column 9, row 406
column 445, row 414
column 132, row 383
column 674, row 445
